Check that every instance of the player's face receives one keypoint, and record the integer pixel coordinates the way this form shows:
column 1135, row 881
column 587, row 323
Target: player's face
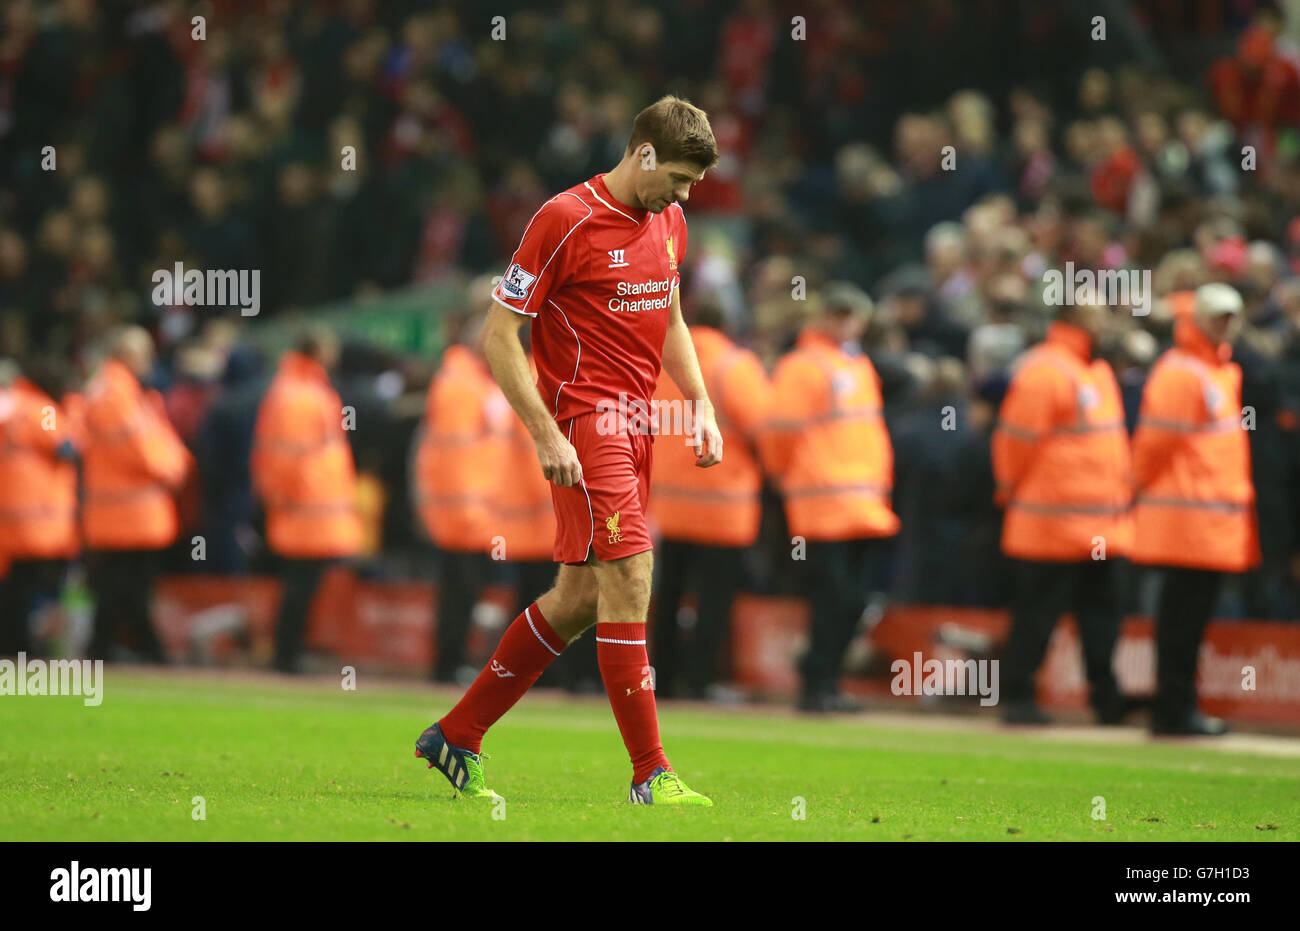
column 669, row 183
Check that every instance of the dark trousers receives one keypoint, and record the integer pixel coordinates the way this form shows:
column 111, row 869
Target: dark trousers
column 534, row 580
column 714, row 573
column 1187, row 598
column 122, row 582
column 301, row 580
column 1042, row 592
column 19, row 590
column 461, row 580
column 838, row 578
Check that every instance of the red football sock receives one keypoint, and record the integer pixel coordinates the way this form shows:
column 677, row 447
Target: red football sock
column 528, row 646
column 625, row 669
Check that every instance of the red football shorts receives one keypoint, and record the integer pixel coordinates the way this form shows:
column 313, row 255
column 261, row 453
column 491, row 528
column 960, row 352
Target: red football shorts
column 606, row 511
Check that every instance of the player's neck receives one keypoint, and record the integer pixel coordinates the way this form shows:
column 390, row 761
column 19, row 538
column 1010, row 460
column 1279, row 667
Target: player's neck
column 620, row 186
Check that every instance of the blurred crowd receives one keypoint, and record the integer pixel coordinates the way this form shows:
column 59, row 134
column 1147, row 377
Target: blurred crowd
column 939, row 156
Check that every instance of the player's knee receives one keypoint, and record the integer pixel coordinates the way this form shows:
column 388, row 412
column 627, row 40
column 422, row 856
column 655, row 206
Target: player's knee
column 585, row 606
column 569, row 609
column 626, row 595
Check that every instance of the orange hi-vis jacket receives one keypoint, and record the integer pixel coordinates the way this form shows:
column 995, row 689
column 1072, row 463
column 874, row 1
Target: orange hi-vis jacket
column 524, row 514
column 1061, row 455
column 38, row 490
column 826, row 443
column 462, row 455
column 717, row 506
column 302, row 465
column 1195, row 501
column 133, row 462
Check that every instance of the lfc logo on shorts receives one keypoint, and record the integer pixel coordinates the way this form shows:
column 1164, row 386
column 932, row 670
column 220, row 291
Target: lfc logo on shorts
column 611, row 524
column 672, row 256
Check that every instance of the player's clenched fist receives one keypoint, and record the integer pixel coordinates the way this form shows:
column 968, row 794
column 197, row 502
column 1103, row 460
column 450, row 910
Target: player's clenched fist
column 708, row 441
column 559, row 459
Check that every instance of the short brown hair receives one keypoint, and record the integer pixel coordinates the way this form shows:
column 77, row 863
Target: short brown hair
column 679, row 131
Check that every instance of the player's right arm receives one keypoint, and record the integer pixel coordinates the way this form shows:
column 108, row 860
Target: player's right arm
column 539, row 267
column 505, row 355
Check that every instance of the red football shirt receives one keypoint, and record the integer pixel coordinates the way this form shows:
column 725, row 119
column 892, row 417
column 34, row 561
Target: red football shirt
column 597, row 278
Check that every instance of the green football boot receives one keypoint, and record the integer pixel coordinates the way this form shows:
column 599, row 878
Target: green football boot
column 665, row 787
column 463, row 768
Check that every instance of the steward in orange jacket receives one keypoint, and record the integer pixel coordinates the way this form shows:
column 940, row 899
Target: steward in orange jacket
column 1061, row 461
column 826, row 442
column 706, row 516
column 302, row 467
column 828, row 450
column 38, row 500
column 133, row 464
column 718, row 506
column 523, row 514
column 460, row 463
column 1061, row 454
column 1194, row 509
column 38, row 479
column 302, row 464
column 460, row 457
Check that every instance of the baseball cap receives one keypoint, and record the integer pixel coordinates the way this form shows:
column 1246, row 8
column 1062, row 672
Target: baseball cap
column 1218, row 299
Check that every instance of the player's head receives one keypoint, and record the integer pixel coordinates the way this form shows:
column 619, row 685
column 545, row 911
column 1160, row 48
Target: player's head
column 672, row 145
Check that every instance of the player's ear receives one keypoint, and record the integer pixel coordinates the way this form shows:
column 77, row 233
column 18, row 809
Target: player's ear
column 648, row 157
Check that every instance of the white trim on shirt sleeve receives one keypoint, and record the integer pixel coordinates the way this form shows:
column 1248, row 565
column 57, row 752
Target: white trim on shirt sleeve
column 523, row 313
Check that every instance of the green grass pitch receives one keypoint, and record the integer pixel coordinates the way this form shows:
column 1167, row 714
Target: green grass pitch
column 275, row 759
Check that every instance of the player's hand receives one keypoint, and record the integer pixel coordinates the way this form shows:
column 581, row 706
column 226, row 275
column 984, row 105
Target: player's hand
column 559, row 459
column 707, row 439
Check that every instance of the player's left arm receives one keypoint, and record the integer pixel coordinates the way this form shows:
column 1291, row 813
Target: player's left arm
column 683, row 368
